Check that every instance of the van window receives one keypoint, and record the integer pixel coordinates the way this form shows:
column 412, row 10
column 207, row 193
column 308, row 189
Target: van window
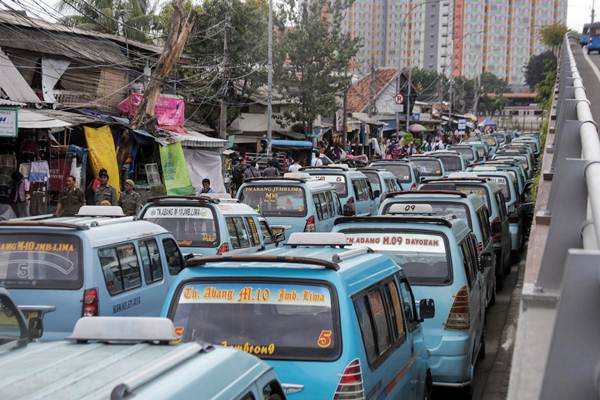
column 150, row 260
column 423, row 256
column 192, row 226
column 40, row 261
column 501, row 205
column 382, row 333
column 366, row 328
column 408, row 303
column 120, row 267
column 337, row 181
column 248, row 396
column 238, row 233
column 331, row 200
column 254, row 239
column 502, row 182
column 467, row 152
column 400, row 170
column 273, row 320
column 318, row 206
column 470, row 268
column 428, row 167
column 451, row 163
column 361, row 189
column 393, row 299
column 484, row 221
column 373, row 178
column 173, row 256
column 392, row 185
column 275, row 201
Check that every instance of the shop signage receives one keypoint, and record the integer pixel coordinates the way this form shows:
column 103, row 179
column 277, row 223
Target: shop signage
column 9, row 122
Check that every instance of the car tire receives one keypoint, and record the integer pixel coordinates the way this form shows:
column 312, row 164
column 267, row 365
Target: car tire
column 428, row 389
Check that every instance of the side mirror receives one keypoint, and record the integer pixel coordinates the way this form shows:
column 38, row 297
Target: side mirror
column 188, row 257
column 35, row 318
column 426, row 309
column 13, row 324
column 280, row 237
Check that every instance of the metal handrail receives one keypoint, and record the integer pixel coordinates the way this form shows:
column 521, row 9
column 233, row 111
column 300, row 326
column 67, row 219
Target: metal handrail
column 590, row 148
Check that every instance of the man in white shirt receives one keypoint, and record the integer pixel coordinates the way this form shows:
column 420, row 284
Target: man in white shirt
column 295, row 167
column 316, row 160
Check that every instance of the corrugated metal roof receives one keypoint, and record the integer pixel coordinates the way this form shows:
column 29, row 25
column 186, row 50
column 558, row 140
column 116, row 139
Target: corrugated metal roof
column 11, row 18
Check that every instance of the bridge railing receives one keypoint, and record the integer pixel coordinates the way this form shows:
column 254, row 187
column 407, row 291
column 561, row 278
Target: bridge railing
column 557, row 346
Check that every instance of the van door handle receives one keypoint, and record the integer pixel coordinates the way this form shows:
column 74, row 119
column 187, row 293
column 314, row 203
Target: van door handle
column 290, row 388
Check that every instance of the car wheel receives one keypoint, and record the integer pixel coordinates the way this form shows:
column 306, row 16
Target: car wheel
column 428, row 389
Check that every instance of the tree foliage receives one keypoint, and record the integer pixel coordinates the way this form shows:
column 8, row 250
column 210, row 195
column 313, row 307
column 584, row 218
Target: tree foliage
column 553, row 35
column 537, row 67
column 313, row 54
column 134, row 19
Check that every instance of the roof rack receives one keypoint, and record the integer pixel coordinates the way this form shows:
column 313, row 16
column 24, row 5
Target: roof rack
column 317, row 239
column 124, row 329
column 111, row 221
column 157, row 199
column 45, row 224
column 351, row 253
column 274, row 178
column 181, row 353
column 325, row 167
column 265, row 259
column 437, row 220
column 426, row 191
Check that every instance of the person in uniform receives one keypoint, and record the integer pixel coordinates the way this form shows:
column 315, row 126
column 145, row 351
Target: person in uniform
column 130, row 200
column 70, row 199
column 105, row 191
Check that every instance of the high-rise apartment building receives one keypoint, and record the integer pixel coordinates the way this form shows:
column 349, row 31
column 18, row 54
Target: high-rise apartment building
column 458, row 37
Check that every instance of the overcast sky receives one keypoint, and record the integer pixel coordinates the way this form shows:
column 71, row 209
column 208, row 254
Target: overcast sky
column 579, row 13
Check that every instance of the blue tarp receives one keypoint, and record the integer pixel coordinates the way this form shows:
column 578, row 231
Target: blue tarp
column 292, row 144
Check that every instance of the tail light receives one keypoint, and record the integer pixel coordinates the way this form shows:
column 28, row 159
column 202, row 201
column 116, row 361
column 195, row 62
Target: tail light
column 459, row 316
column 413, row 187
column 90, row 303
column 497, row 229
column 310, row 225
column 350, row 386
column 224, row 248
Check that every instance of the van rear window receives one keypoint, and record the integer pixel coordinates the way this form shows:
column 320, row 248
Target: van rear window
column 268, row 319
column 428, row 167
column 465, row 151
column 40, row 261
column 451, row 163
column 424, row 257
column 275, row 201
column 192, row 226
column 502, row 182
column 401, row 171
column 439, row 208
column 337, row 181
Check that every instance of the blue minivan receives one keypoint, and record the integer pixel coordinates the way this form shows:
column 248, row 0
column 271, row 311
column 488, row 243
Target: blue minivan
column 439, row 257
column 87, row 266
column 334, row 323
column 585, row 35
column 404, row 170
column 295, row 203
column 352, row 187
column 593, row 43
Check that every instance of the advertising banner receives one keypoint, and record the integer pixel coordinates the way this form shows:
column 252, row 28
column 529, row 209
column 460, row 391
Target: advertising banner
column 9, row 122
column 175, row 173
column 102, row 154
column 169, row 111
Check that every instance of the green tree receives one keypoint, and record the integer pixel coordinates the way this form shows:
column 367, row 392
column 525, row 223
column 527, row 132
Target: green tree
column 428, row 84
column 313, row 54
column 537, row 67
column 553, row 35
column 211, row 77
column 134, row 19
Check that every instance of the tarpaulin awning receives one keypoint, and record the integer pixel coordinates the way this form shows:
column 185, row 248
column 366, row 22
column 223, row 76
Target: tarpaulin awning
column 197, row 139
column 292, row 144
column 29, row 119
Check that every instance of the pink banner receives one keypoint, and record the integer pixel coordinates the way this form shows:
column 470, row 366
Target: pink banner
column 169, row 111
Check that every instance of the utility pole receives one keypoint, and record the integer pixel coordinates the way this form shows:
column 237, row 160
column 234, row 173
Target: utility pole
column 225, row 66
column 270, row 81
column 593, row 10
column 408, row 90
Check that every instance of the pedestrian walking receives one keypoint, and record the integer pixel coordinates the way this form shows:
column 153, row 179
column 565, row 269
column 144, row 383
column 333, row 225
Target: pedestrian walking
column 20, row 195
column 271, row 170
column 295, row 167
column 251, row 172
column 105, row 191
column 130, row 201
column 316, row 159
column 70, row 200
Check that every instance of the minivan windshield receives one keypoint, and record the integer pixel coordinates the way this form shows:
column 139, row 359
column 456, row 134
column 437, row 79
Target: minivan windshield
column 275, row 200
column 40, row 261
column 192, row 226
column 423, row 256
column 274, row 320
column 401, row 171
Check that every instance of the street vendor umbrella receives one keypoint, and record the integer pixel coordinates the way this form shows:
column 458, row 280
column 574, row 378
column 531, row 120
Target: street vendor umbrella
column 417, row 128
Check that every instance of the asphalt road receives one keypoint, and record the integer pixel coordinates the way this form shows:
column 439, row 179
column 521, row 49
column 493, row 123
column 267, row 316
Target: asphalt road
column 493, row 372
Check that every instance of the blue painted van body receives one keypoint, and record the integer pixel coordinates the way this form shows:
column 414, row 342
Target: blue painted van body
column 302, row 204
column 91, row 266
column 309, row 350
column 594, row 38
column 453, row 352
